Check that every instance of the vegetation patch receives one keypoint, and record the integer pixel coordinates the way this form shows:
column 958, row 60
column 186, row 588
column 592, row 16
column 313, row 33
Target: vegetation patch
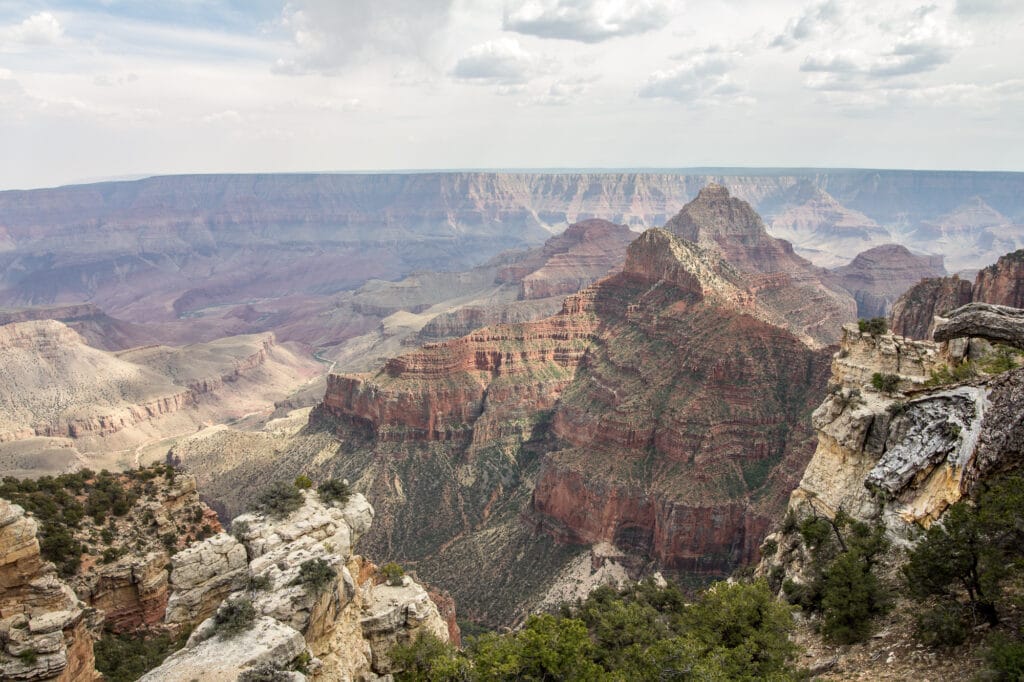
column 315, row 575
column 234, row 617
column 334, row 492
column 644, row 632
column 123, row 658
column 279, row 500
column 844, row 587
column 875, row 326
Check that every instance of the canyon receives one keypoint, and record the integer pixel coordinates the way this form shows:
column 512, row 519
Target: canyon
column 66, row 404
column 1001, row 283
column 169, row 569
column 194, row 258
column 660, row 411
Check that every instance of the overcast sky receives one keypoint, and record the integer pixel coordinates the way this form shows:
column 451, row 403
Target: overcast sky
column 112, row 88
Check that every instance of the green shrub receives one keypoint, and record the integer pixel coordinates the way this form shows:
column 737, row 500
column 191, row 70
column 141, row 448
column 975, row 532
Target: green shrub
column 259, row 583
column 874, row 326
column 769, row 548
column 851, row 597
column 234, row 617
column 29, row 657
column 240, row 529
column 303, row 482
column 1001, row 359
column 334, row 492
column 315, row 575
column 392, row 573
column 972, row 551
column 279, row 500
column 1005, row 658
column 897, row 408
column 944, row 375
column 886, row 383
column 941, row 625
column 264, row 672
column 124, row 658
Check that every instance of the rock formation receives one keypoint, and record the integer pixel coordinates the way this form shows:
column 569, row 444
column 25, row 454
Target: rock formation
column 995, row 323
column 914, row 312
column 877, row 277
column 822, row 229
column 781, row 281
column 655, row 412
column 1000, row 284
column 45, row 631
column 340, row 628
column 61, row 394
column 904, row 456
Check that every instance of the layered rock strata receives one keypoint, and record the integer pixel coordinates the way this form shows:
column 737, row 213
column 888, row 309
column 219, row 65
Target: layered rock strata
column 343, row 628
column 879, row 276
column 46, row 633
column 659, row 411
column 999, row 284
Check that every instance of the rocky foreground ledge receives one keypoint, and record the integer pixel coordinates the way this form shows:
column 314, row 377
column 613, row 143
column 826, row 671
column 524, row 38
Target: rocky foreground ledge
column 341, row 629
column 312, row 607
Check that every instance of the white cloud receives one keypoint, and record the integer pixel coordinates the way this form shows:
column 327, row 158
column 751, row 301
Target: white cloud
column 813, row 21
column 328, row 35
column 586, row 21
column 563, row 92
column 42, row 28
column 701, row 79
column 497, row 62
column 988, row 7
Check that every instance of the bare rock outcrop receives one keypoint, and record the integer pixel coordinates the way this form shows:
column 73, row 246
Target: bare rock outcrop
column 995, row 323
column 342, row 626
column 904, row 455
column 202, row 576
column 1002, row 284
column 46, row 632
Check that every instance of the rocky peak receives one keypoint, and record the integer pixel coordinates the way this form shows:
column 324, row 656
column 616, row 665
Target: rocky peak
column 714, row 219
column 877, row 277
column 658, row 256
column 797, row 294
column 1002, row 283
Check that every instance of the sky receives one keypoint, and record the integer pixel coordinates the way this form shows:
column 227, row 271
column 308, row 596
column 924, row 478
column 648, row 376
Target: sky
column 127, row 88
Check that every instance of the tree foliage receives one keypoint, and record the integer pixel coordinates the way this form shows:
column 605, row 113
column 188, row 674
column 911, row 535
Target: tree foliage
column 844, row 586
column 279, row 500
column 972, row 551
column 644, row 632
column 334, row 492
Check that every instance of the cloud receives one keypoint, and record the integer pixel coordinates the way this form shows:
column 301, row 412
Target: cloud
column 563, row 92
column 328, row 35
column 497, row 62
column 828, row 62
column 809, row 24
column 105, row 81
column 908, row 59
column 42, row 28
column 585, row 21
column 702, row 79
column 987, row 7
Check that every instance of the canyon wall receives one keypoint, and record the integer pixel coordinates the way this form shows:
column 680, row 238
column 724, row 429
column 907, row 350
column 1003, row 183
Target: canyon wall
column 659, row 411
column 1001, row 283
column 200, row 249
